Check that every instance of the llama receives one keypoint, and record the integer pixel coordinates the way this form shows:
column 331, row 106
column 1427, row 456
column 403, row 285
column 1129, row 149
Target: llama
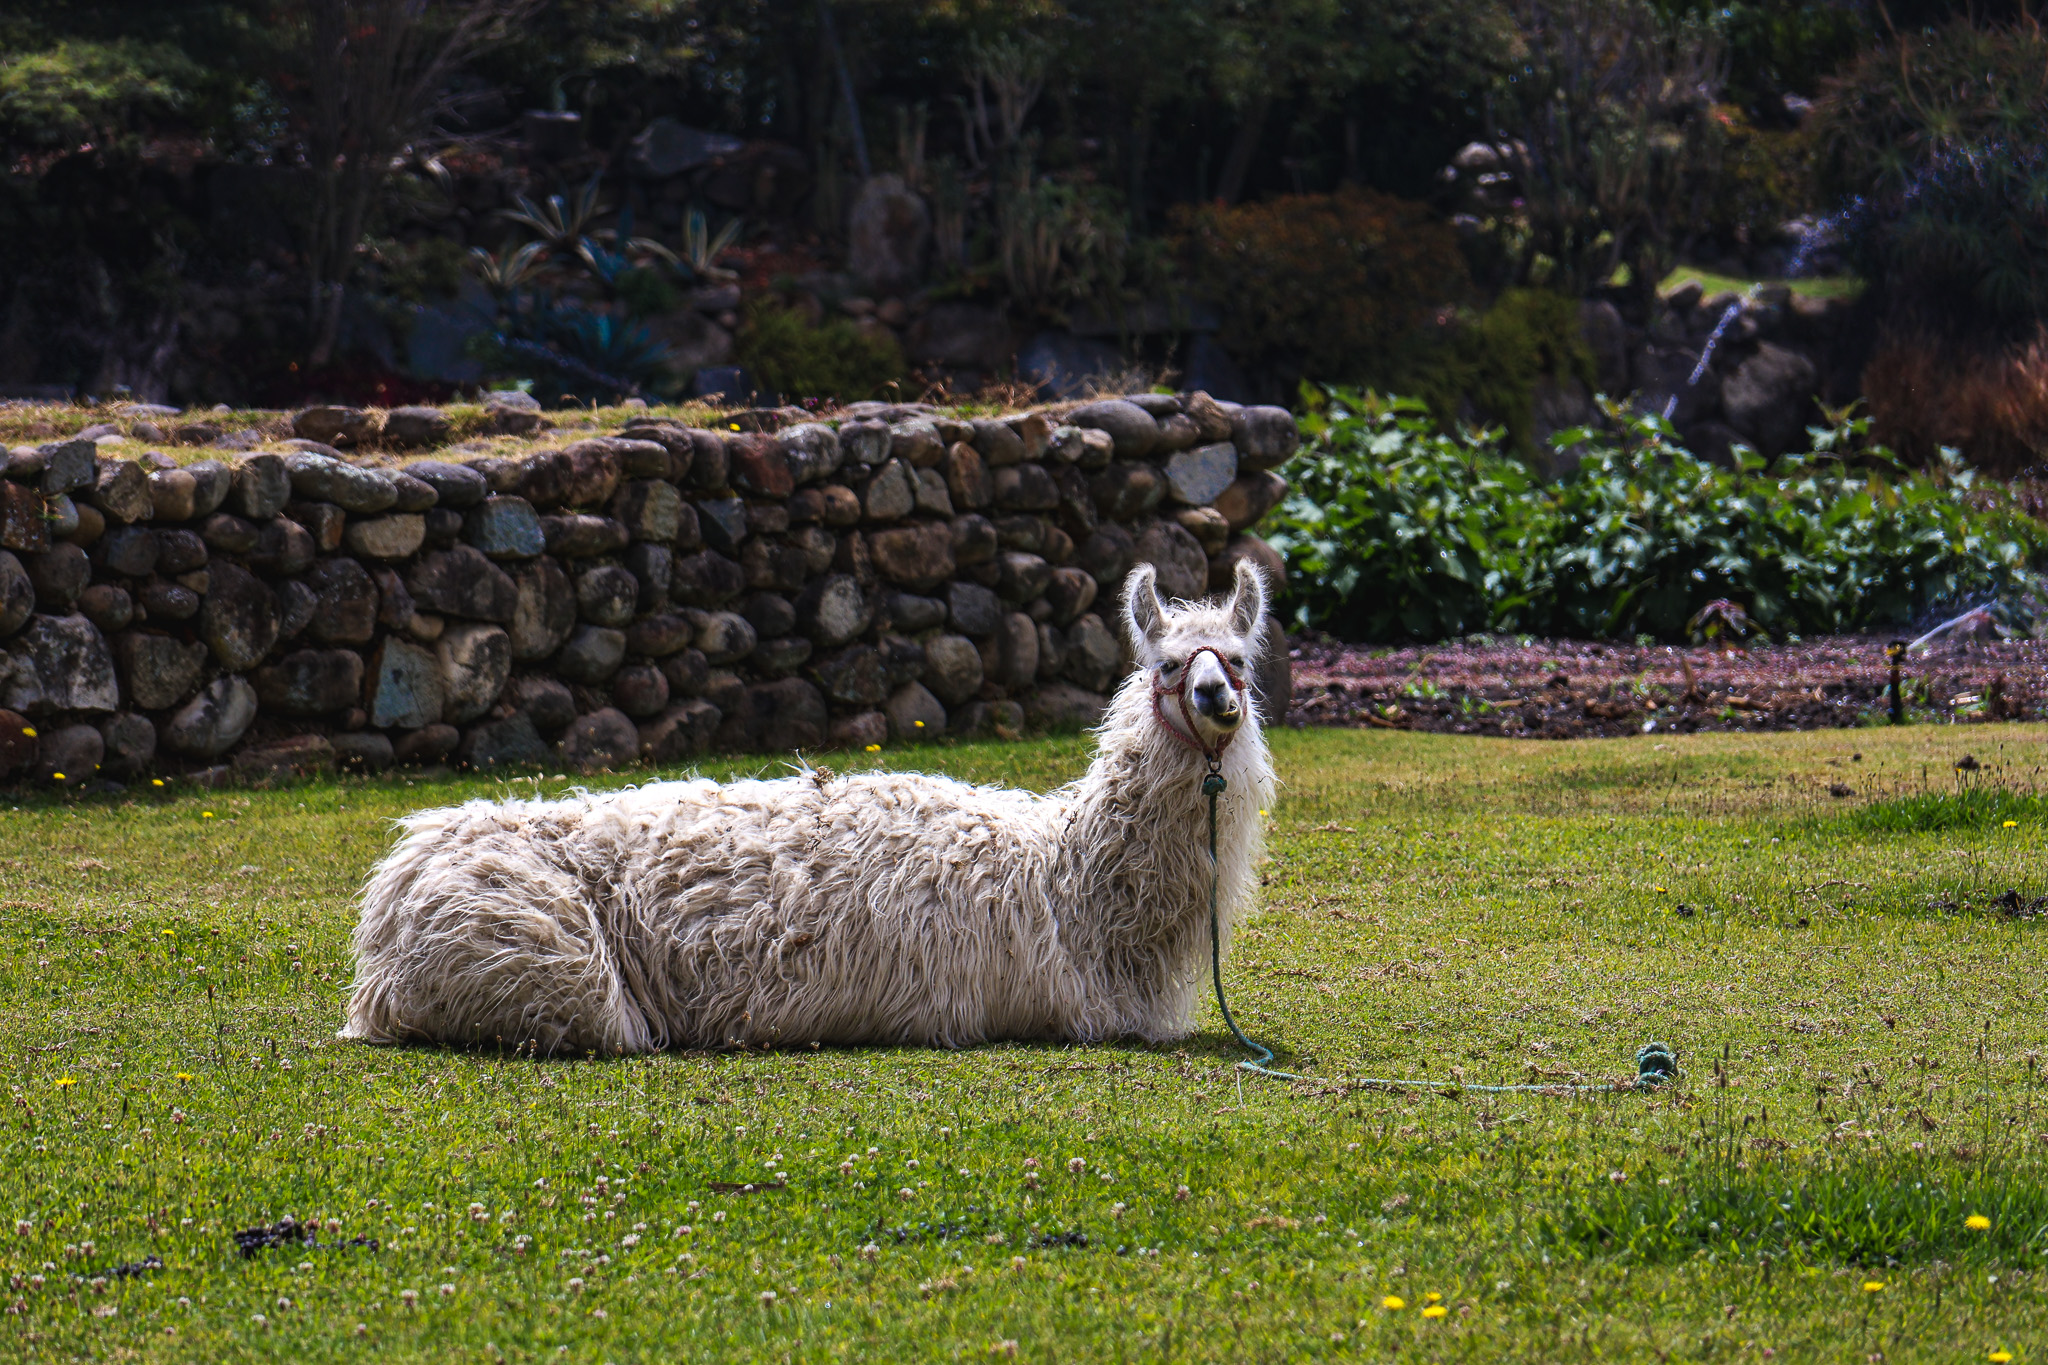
column 890, row 908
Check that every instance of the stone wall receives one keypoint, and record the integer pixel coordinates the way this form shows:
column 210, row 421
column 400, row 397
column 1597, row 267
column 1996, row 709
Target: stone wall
column 654, row 592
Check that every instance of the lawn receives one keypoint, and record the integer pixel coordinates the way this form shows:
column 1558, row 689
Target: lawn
column 1812, row 286
column 1809, row 919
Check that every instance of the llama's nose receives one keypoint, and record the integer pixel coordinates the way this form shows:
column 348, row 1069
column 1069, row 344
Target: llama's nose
column 1217, row 702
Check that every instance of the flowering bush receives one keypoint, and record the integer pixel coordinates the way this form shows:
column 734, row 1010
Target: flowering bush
column 1395, row 530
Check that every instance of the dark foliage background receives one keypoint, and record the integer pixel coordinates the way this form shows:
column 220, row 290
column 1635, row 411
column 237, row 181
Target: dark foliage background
column 243, row 199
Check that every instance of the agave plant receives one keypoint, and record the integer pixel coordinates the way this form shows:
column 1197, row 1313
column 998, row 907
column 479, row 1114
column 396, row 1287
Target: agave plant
column 517, row 268
column 559, row 221
column 701, row 247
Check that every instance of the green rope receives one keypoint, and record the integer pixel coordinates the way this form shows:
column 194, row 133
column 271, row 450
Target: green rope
column 1656, row 1063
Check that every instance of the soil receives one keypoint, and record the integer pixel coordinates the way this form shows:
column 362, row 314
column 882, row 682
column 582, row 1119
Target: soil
column 1569, row 689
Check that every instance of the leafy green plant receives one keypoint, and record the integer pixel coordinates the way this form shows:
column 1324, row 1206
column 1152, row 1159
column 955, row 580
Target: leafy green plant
column 1396, row 529
column 785, row 354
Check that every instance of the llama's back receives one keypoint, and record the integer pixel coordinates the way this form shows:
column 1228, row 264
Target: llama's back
column 871, row 908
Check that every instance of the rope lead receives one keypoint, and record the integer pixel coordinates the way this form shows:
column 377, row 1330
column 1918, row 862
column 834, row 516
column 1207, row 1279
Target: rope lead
column 1656, row 1063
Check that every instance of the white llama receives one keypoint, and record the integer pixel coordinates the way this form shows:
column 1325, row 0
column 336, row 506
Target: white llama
column 870, row 908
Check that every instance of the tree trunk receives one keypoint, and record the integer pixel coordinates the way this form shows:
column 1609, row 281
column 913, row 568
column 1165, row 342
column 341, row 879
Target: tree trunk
column 1239, row 163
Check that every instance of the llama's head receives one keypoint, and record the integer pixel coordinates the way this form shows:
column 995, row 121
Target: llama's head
column 1200, row 650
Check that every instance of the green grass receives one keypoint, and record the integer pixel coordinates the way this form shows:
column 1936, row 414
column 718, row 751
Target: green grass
column 1812, row 286
column 1860, row 1079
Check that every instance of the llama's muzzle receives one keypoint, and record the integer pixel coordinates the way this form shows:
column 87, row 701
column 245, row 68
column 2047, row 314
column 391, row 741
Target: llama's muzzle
column 1216, row 702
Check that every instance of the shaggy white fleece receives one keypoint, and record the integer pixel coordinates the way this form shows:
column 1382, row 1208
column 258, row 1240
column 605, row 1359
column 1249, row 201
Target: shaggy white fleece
column 872, row 908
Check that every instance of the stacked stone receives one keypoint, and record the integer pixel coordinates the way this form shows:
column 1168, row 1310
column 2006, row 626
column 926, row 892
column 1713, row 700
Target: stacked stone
column 656, row 594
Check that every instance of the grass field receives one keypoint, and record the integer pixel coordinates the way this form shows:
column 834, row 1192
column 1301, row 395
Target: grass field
column 1858, row 1024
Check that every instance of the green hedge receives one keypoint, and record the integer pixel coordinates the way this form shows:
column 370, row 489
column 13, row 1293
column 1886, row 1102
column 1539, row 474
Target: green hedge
column 1395, row 530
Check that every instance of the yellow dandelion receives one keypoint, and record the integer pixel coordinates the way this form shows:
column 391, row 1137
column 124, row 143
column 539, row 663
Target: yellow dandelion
column 1434, row 1297
column 206, row 815
column 1977, row 1222
column 1435, row 1310
column 918, row 723
column 170, row 933
column 156, row 781
column 2012, row 824
column 734, row 425
column 1393, row 1303
column 29, row 730
column 59, row 777
column 1658, row 889
column 1999, row 1357
column 874, row 748
column 184, row 1075
column 63, row 1081
column 1872, row 1286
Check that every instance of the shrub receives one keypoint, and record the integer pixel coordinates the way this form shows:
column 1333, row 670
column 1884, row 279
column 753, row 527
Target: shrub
column 1765, row 176
column 1330, row 285
column 1613, row 144
column 1925, row 393
column 1496, row 359
column 1395, row 530
column 569, row 351
column 1937, row 140
column 784, row 354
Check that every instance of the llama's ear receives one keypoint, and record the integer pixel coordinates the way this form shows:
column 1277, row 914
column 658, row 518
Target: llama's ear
column 1144, row 613
column 1248, row 600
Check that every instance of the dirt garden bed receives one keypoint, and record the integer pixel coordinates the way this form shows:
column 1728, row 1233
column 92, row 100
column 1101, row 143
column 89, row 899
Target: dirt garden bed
column 1569, row 689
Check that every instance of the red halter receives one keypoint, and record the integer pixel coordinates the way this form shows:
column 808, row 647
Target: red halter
column 1180, row 692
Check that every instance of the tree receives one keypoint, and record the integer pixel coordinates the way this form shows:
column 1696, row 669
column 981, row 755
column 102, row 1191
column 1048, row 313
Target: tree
column 373, row 74
column 1609, row 125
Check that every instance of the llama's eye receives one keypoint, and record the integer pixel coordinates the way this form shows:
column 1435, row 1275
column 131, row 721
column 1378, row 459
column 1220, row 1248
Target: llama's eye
column 1237, row 661
column 1169, row 665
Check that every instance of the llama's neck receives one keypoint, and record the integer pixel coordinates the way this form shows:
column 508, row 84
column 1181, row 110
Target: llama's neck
column 1134, row 863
